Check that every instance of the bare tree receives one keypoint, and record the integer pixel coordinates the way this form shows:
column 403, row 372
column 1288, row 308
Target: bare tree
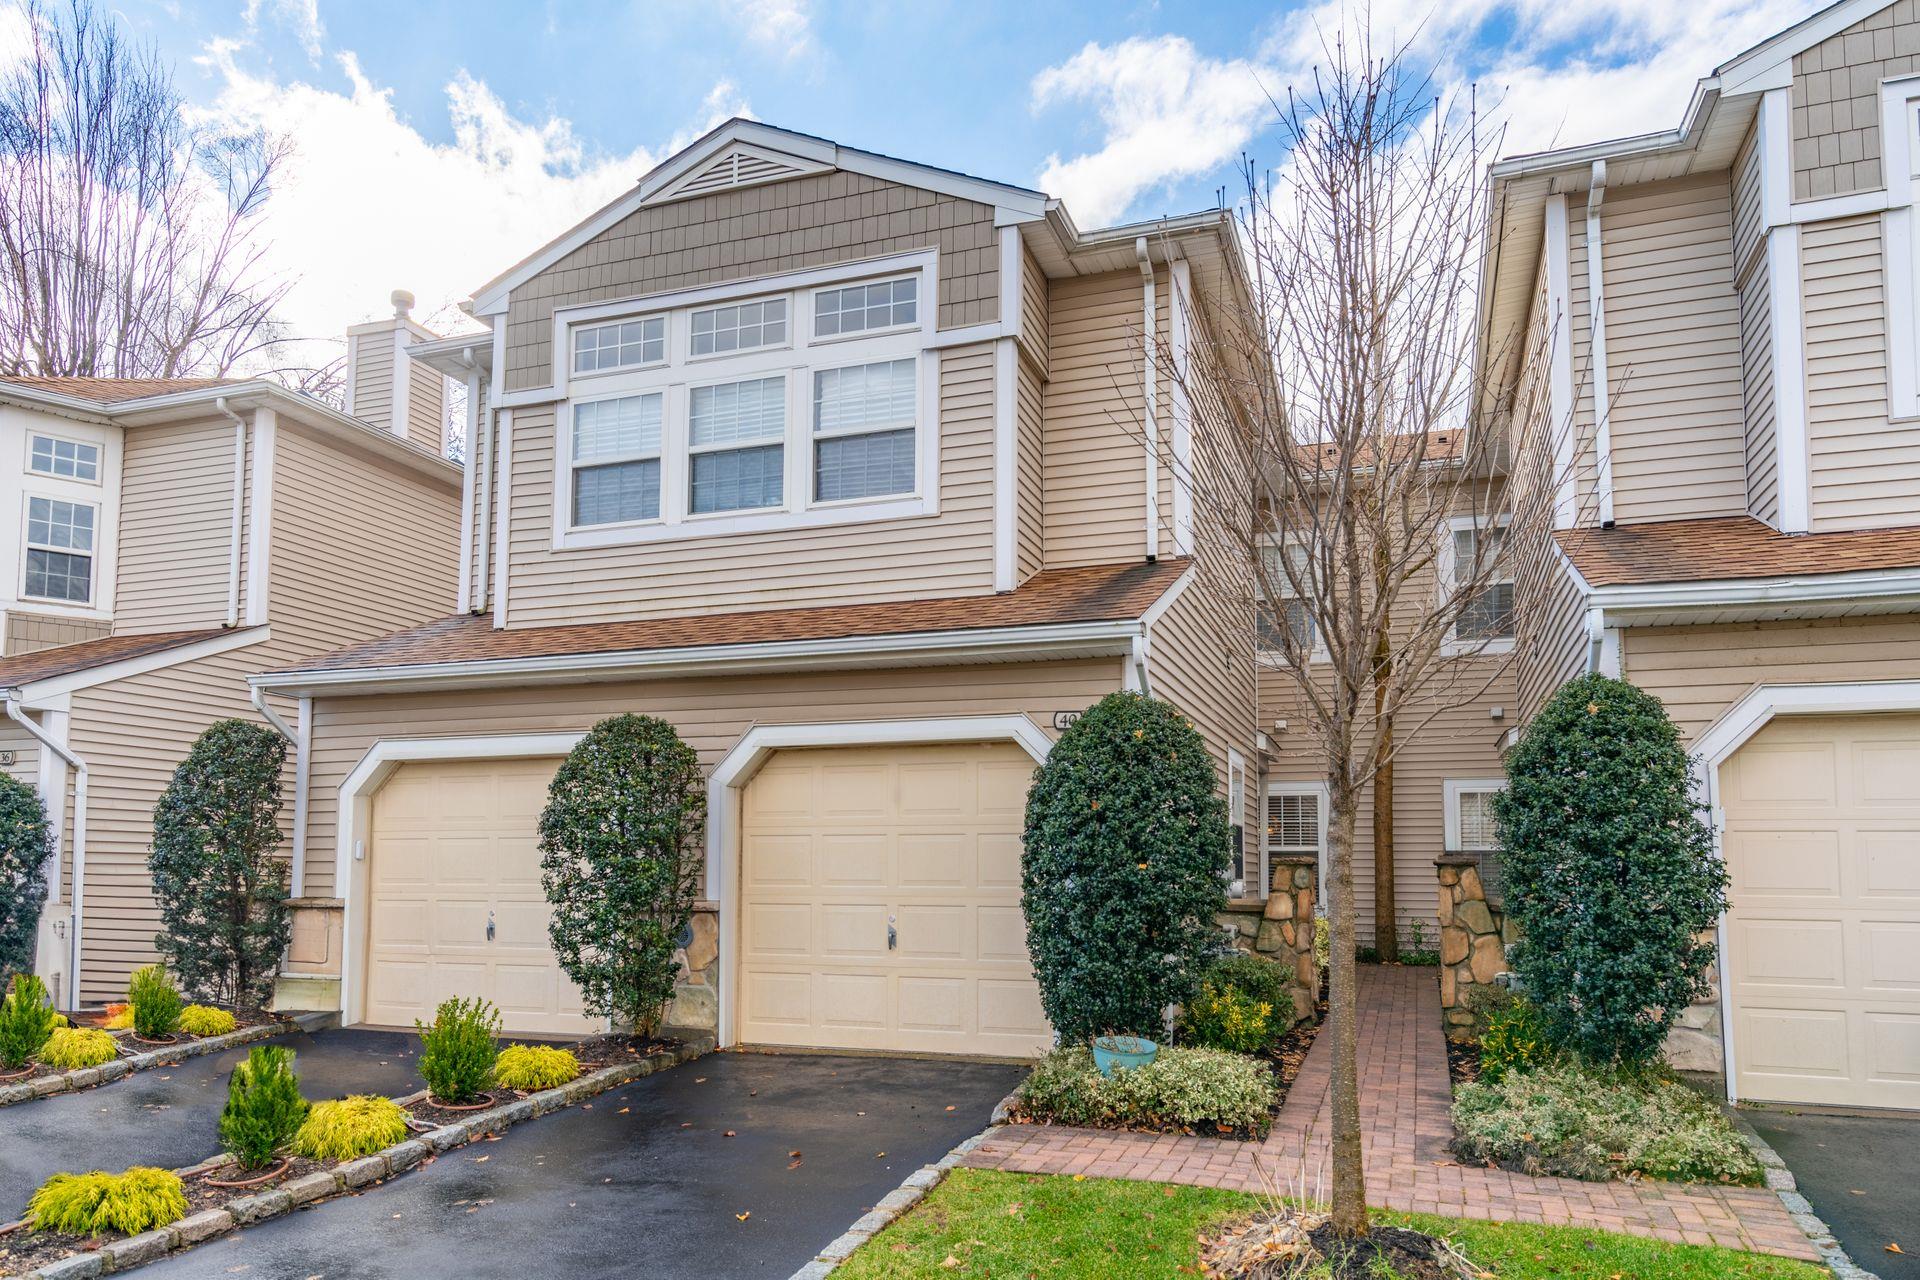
column 1350, row 380
column 129, row 237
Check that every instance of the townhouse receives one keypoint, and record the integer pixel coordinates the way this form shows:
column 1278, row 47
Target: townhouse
column 1729, row 307
column 858, row 471
column 160, row 539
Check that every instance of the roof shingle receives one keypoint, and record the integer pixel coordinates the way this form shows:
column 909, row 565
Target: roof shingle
column 1729, row 547
column 115, row 390
column 1095, row 593
column 84, row 655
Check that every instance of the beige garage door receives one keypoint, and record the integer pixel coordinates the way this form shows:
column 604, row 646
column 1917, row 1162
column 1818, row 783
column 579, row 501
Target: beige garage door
column 454, row 848
column 880, row 902
column 1823, row 846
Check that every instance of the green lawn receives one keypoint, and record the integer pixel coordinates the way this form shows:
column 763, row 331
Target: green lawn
column 1009, row 1225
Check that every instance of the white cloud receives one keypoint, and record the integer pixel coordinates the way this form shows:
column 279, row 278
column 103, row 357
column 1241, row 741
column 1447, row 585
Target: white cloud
column 302, row 17
column 368, row 204
column 784, row 27
column 1170, row 113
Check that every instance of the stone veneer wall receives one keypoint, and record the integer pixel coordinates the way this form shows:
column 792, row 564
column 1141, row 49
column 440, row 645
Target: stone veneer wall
column 1281, row 929
column 696, row 996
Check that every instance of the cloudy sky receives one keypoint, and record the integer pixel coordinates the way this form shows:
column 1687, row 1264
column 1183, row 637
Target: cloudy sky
column 437, row 143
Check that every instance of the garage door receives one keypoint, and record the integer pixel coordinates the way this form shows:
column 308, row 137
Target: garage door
column 1823, row 846
column 453, row 850
column 880, row 902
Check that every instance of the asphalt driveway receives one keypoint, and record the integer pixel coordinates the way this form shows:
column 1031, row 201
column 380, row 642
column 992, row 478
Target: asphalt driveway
column 1862, row 1175
column 169, row 1116
column 685, row 1174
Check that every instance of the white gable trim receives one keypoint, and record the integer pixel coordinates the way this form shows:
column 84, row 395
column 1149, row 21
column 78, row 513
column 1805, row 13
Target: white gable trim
column 1010, row 204
column 775, row 166
column 1769, row 64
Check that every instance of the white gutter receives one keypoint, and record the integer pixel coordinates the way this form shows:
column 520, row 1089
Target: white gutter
column 1149, row 331
column 79, row 856
column 280, row 726
column 1622, row 604
column 1597, row 346
column 239, row 503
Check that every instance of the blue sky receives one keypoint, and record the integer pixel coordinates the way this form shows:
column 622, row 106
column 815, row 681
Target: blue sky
column 436, row 143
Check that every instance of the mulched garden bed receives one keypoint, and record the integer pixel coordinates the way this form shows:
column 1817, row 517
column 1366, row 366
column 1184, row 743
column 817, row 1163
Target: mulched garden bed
column 1287, row 1056
column 1463, row 1061
column 1286, row 1243
column 130, row 1045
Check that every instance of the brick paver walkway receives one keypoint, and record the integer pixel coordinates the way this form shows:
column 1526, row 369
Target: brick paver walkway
column 1404, row 1100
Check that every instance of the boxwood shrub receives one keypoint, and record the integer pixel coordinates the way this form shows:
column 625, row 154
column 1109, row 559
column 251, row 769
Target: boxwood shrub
column 1202, row 1089
column 1576, row 1121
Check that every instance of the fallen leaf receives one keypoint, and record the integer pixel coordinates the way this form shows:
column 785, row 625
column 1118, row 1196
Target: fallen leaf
column 878, row 1154
column 794, row 1154
column 744, row 1216
column 1894, row 1248
column 950, row 1108
column 1855, row 1192
column 622, row 1111
column 481, row 1159
column 951, row 1262
column 699, row 1079
column 729, row 1134
column 686, row 1124
column 1079, row 1177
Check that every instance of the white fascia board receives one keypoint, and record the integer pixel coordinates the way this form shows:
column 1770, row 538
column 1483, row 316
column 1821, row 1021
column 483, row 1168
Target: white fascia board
column 1706, row 93
column 1621, row 604
column 1766, row 62
column 39, row 694
column 1002, row 644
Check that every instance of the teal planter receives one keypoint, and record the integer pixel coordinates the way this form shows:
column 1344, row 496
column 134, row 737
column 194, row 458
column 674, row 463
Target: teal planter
column 1122, row 1051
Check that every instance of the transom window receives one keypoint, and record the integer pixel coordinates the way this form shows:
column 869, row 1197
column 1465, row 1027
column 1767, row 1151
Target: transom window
column 59, row 550
column 616, row 460
column 742, row 326
column 64, row 459
column 863, row 430
column 627, row 344
column 1477, row 552
column 863, row 308
column 735, row 441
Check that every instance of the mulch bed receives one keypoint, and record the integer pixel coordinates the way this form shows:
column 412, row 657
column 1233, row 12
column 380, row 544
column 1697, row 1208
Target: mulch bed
column 1463, row 1061
column 129, row 1044
column 1287, row 1056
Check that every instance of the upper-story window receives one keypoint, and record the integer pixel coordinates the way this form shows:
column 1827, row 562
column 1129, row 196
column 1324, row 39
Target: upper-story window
column 806, row 405
column 744, row 326
column 866, row 308
column 1476, row 562
column 1281, row 612
column 59, row 559
column 62, row 459
column 629, row 344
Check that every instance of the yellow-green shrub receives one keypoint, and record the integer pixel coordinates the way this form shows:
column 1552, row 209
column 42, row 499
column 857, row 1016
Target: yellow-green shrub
column 205, row 1020
column 350, row 1127
column 70, row 1048
column 119, row 1017
column 92, row 1204
column 534, row 1066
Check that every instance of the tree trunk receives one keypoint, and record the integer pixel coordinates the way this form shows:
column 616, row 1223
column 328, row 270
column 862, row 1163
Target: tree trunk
column 1386, row 921
column 1349, row 1176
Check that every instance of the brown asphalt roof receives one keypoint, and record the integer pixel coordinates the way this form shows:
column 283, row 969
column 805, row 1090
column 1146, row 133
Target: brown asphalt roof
column 65, row 659
column 1095, row 593
column 1729, row 547
column 114, row 390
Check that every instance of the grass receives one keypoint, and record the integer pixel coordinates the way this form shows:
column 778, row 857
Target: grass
column 1007, row 1225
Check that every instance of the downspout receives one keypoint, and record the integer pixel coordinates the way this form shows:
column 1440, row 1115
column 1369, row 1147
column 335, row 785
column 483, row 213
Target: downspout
column 239, row 502
column 298, row 740
column 79, row 857
column 483, row 526
column 1597, row 345
column 1150, row 390
column 1138, row 657
column 465, row 591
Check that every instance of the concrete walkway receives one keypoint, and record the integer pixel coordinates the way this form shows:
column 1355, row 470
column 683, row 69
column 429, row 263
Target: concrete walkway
column 169, row 1116
column 1405, row 1097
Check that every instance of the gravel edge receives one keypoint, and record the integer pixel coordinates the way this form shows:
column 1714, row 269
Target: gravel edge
column 1780, row 1181
column 118, row 1256
column 90, row 1077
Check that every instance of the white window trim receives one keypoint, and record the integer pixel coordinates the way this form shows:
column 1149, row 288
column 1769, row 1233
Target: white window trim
column 1277, row 658
column 813, row 295
column 92, row 553
column 1318, row 789
column 1900, row 231
column 1237, row 815
column 570, row 465
column 1453, row 646
column 686, row 322
column 99, row 458
column 1455, row 788
column 797, row 361
column 666, row 347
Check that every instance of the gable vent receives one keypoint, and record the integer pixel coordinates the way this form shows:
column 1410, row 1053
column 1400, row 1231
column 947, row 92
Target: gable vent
column 736, row 169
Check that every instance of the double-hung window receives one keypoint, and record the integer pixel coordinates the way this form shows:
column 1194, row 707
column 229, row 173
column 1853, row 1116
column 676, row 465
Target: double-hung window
column 1296, row 828
column 59, row 550
column 863, row 431
column 616, row 460
column 1470, row 827
column 63, row 459
column 1282, row 613
column 1484, row 621
column 736, row 434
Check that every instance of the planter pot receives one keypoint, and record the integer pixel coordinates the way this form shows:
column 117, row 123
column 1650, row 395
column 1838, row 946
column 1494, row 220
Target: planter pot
column 258, row 1181
column 1122, row 1051
column 485, row 1101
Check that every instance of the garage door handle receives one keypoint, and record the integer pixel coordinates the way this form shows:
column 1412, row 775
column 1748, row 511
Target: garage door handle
column 893, row 935
column 489, row 926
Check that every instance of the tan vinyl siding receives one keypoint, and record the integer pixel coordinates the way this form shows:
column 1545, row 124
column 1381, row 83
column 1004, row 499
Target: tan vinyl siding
column 1749, row 215
column 943, row 555
column 1556, row 652
column 24, row 751
column 1030, row 507
column 1673, row 352
column 710, row 713
column 1699, row 672
column 30, row 632
column 426, row 408
column 1864, row 470
column 1202, row 663
column 1836, row 101
column 1035, row 314
column 1756, row 345
column 760, row 231
column 1580, row 335
column 1095, row 458
column 372, row 399
column 176, row 523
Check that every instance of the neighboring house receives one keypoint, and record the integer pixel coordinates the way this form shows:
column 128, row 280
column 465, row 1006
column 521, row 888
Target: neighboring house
column 1733, row 309
column 836, row 462
column 159, row 541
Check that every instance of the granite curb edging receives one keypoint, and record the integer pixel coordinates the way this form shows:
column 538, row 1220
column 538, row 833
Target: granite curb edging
column 120, row 1068
column 892, row 1205
column 1781, row 1182
column 117, row 1256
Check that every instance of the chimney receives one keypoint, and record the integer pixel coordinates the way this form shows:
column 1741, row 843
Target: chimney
column 390, row 391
